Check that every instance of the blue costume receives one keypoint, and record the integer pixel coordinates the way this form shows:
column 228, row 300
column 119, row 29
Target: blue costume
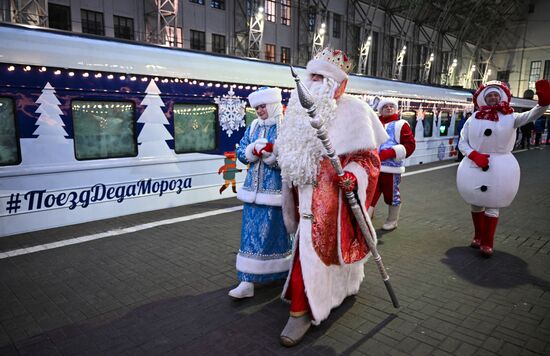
column 265, row 248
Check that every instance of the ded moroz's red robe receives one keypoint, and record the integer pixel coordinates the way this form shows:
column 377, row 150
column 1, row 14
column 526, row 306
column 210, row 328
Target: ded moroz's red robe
column 332, row 250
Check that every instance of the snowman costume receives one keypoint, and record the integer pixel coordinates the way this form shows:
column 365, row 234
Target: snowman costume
column 488, row 177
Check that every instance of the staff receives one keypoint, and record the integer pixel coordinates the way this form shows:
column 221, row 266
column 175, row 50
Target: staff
column 307, row 102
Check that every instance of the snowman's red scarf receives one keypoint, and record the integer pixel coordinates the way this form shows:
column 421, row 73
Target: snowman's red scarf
column 491, row 112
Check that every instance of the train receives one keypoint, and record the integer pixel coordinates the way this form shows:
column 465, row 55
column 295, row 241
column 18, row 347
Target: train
column 94, row 128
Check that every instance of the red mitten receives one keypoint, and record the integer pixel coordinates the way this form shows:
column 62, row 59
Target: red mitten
column 543, row 91
column 347, row 182
column 387, row 154
column 256, row 153
column 480, row 159
column 268, row 147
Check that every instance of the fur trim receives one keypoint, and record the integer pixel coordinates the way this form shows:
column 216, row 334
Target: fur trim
column 248, row 153
column 386, row 101
column 270, row 121
column 493, row 85
column 326, row 69
column 289, row 211
column 246, row 196
column 398, row 126
column 400, row 152
column 356, row 127
column 268, row 199
column 250, row 265
column 294, row 247
column 265, row 96
column 388, row 169
column 270, row 160
column 326, row 287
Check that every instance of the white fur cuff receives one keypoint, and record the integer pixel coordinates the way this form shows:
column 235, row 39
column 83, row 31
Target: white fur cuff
column 246, row 196
column 270, row 160
column 248, row 153
column 400, row 152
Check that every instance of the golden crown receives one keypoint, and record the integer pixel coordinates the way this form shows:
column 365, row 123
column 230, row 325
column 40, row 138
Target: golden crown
column 336, row 57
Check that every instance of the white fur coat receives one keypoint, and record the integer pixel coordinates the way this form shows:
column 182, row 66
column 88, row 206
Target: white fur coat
column 356, row 127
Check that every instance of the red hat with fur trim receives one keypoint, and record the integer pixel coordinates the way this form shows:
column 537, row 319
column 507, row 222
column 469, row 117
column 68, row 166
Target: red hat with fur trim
column 489, row 87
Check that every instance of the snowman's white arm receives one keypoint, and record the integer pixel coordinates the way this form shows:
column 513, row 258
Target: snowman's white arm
column 528, row 116
column 463, row 144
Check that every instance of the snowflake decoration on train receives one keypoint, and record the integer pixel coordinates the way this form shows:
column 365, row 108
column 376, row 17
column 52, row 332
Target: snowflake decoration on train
column 231, row 112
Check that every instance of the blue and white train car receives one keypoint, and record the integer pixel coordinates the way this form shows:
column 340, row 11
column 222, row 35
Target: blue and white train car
column 93, row 128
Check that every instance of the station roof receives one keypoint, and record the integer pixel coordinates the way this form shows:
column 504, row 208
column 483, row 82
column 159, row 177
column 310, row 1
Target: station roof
column 487, row 23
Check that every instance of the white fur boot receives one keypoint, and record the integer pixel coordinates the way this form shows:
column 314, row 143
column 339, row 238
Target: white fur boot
column 393, row 216
column 243, row 290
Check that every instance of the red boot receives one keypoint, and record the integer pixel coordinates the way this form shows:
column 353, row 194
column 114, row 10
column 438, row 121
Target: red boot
column 478, row 218
column 490, row 227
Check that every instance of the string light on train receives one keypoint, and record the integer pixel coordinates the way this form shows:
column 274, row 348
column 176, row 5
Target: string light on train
column 123, row 77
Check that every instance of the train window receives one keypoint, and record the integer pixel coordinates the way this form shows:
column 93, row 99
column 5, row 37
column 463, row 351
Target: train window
column 250, row 115
column 194, row 127
column 9, row 144
column 410, row 117
column 428, row 124
column 459, row 115
column 104, row 129
column 445, row 123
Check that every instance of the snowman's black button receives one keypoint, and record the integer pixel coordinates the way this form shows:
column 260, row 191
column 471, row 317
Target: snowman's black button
column 483, row 188
column 488, row 132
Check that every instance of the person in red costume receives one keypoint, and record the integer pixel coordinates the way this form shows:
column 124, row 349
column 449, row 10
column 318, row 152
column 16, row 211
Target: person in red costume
column 399, row 146
column 329, row 250
column 488, row 176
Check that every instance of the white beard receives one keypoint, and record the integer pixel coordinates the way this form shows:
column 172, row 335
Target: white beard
column 299, row 149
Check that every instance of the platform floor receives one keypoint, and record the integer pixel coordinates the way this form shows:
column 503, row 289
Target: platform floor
column 163, row 290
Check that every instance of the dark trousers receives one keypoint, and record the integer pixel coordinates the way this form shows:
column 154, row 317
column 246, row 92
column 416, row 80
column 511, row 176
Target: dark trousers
column 538, row 136
column 526, row 138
